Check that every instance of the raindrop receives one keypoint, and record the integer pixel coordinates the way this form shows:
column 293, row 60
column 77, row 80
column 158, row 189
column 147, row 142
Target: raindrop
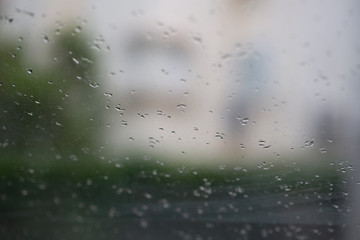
column 73, row 157
column 197, row 39
column 222, row 167
column 75, row 60
column 46, row 39
column 148, row 196
column 94, row 85
column 243, row 121
column 88, row 182
column 278, row 178
column 181, row 106
column 323, row 150
column 119, row 109
column 309, row 143
column 143, row 223
column 219, row 135
column 262, row 144
column 78, row 29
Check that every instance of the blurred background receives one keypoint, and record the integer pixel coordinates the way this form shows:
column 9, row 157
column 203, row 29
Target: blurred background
column 233, row 119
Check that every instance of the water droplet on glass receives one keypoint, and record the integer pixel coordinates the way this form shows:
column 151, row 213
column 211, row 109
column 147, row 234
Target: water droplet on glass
column 181, row 106
column 262, row 144
column 46, row 39
column 78, row 29
column 243, row 121
column 148, row 196
column 197, row 39
column 323, row 150
column 219, row 135
column 309, row 143
column 94, row 85
column 119, row 109
column 75, row 60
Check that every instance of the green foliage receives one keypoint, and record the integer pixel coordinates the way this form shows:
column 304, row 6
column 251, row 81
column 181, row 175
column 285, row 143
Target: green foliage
column 52, row 108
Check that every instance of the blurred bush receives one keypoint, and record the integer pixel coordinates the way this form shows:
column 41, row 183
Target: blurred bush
column 52, row 108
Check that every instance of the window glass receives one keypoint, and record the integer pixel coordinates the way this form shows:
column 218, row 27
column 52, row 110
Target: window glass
column 164, row 119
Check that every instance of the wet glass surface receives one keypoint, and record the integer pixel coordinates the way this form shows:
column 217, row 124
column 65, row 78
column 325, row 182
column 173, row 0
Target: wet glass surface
column 179, row 120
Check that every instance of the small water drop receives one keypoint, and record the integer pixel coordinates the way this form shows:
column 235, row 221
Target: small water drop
column 46, row 39
column 94, row 85
column 220, row 135
column 309, row 143
column 323, row 150
column 243, row 121
column 78, row 29
column 197, row 39
column 148, row 195
column 107, row 94
column 75, row 60
column 119, row 109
